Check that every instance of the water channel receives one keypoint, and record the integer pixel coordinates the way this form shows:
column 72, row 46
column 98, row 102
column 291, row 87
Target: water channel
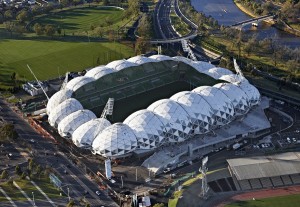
column 227, row 13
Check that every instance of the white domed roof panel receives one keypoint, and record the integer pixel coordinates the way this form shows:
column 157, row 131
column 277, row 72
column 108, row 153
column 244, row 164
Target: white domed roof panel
column 160, row 57
column 200, row 112
column 99, row 72
column 219, row 102
column 57, row 98
column 217, row 72
column 71, row 122
column 120, row 64
column 77, row 82
column 178, row 126
column 252, row 92
column 148, row 128
column 141, row 60
column 237, row 96
column 116, row 140
column 62, row 110
column 85, row 134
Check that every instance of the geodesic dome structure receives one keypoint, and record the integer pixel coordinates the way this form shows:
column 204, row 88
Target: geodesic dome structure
column 99, row 72
column 62, row 110
column 217, row 72
column 232, row 78
column 219, row 102
column 85, row 134
column 116, row 140
column 120, row 64
column 71, row 122
column 178, row 125
column 199, row 110
column 183, row 59
column 57, row 98
column 160, row 57
column 202, row 66
column 147, row 127
column 77, row 82
column 238, row 97
column 252, row 92
column 141, row 60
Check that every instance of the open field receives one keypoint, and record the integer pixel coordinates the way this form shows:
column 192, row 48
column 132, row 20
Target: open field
column 52, row 57
column 286, row 201
column 81, row 19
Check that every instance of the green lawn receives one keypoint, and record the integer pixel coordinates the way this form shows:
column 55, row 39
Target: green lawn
column 50, row 58
column 286, row 201
column 80, row 19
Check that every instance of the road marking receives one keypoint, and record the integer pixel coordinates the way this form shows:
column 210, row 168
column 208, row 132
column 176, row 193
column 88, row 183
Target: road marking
column 8, row 198
column 24, row 194
column 44, row 194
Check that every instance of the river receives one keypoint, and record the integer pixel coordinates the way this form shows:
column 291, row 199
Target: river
column 227, row 13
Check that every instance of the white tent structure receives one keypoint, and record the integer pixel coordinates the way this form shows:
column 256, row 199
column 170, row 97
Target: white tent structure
column 199, row 110
column 85, row 134
column 147, row 127
column 115, row 141
column 71, row 122
column 178, row 125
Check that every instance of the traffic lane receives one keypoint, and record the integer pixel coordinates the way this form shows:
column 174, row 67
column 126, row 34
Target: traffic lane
column 90, row 184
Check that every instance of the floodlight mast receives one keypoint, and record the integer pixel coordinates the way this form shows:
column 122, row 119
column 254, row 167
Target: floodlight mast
column 63, row 86
column 239, row 74
column 203, row 170
column 108, row 109
column 38, row 82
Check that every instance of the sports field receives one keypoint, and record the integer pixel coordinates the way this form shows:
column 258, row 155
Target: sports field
column 53, row 57
column 282, row 201
column 81, row 19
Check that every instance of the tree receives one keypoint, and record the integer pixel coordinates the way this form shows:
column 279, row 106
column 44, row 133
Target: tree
column 22, row 16
column 293, row 66
column 49, row 30
column 23, row 176
column 4, row 174
column 30, row 164
column 144, row 27
column 8, row 15
column 159, row 205
column 18, row 170
column 10, row 27
column 71, row 203
column 7, row 132
column 10, row 182
column 142, row 45
column 111, row 35
column 38, row 29
column 99, row 31
column 87, row 205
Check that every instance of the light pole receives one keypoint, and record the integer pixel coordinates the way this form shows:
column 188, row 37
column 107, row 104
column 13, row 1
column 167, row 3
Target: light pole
column 33, row 198
column 68, row 193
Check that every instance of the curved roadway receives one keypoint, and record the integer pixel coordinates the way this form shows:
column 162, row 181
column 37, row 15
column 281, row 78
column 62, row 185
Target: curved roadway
column 163, row 26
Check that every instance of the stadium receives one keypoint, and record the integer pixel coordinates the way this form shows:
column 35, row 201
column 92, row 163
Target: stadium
column 203, row 98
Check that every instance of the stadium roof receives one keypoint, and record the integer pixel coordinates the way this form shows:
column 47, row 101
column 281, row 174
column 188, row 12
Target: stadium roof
column 141, row 60
column 265, row 166
column 99, row 72
column 120, row 64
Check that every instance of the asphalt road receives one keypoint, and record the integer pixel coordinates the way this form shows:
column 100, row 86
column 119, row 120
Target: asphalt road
column 44, row 151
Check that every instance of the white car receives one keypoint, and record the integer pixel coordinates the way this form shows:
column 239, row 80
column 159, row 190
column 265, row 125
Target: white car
column 98, row 193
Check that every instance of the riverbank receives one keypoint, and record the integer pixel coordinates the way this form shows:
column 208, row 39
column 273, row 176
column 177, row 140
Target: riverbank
column 279, row 25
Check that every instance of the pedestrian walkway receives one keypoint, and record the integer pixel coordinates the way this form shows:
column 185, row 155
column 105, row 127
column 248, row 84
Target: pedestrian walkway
column 43, row 193
column 7, row 197
column 24, row 194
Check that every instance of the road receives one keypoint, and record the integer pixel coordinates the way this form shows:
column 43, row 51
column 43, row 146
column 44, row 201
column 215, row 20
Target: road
column 46, row 152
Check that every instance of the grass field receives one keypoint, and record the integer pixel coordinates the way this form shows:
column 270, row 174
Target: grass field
column 286, row 201
column 80, row 19
column 49, row 57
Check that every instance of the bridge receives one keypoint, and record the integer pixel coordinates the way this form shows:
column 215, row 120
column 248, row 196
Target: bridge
column 251, row 21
